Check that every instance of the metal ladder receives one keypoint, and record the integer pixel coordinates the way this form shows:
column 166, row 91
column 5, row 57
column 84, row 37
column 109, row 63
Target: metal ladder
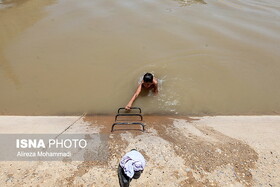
column 117, row 122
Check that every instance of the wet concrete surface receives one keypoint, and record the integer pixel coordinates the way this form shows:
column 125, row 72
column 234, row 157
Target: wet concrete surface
column 181, row 151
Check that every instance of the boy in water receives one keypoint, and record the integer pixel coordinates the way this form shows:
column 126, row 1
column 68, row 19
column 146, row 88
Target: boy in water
column 149, row 82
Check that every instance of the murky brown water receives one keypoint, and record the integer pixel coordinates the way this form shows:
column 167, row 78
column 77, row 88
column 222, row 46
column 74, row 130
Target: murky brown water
column 69, row 57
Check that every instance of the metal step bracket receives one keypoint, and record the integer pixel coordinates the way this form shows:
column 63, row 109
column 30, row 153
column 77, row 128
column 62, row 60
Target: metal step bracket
column 141, row 117
column 132, row 108
column 128, row 123
column 128, row 114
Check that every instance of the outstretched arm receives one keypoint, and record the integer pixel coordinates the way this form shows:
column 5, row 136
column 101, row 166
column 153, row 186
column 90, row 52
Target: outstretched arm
column 128, row 106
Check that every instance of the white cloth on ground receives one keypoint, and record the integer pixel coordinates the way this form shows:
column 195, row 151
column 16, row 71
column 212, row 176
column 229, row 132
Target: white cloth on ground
column 131, row 162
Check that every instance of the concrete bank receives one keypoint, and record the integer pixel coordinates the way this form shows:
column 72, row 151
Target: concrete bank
column 180, row 151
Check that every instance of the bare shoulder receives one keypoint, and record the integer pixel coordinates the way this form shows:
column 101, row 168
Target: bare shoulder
column 140, row 84
column 155, row 81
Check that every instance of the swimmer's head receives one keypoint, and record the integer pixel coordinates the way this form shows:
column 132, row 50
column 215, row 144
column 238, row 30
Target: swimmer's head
column 148, row 77
column 148, row 80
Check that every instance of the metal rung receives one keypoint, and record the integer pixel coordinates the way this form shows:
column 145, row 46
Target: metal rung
column 129, row 115
column 134, row 123
column 133, row 108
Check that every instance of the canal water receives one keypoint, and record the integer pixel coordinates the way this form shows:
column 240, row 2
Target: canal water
column 211, row 57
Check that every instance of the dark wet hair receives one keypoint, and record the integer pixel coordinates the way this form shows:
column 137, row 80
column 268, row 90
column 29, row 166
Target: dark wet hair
column 148, row 77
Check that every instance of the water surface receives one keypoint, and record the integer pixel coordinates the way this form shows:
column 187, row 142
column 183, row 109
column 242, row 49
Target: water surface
column 68, row 57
